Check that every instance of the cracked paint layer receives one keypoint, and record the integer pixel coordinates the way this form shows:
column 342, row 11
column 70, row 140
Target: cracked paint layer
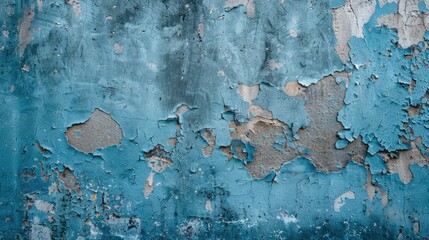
column 219, row 119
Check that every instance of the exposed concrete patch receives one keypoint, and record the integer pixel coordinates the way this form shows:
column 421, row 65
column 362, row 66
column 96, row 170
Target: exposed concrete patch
column 294, row 88
column 248, row 93
column 372, row 189
column 173, row 141
column 414, row 111
column 273, row 65
column 324, row 101
column 42, row 149
column 262, row 134
column 340, row 201
column 148, row 186
column 348, row 21
column 249, row 4
column 286, row 218
column 99, row 131
column 25, row 35
column 210, row 138
column 400, row 162
column 410, row 22
column 75, row 5
column 69, row 180
column 53, row 188
column 226, row 150
column 158, row 160
column 182, row 109
column 44, row 206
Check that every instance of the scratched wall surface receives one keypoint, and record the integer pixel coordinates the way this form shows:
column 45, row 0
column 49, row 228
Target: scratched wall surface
column 214, row 119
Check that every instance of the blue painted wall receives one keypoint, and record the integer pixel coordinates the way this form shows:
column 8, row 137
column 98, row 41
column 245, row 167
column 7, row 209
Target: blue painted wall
column 239, row 120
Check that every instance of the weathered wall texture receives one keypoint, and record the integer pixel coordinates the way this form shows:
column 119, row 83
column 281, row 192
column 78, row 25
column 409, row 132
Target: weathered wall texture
column 214, row 119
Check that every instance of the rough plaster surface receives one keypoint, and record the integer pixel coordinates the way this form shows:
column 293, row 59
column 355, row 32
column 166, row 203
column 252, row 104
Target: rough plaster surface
column 219, row 119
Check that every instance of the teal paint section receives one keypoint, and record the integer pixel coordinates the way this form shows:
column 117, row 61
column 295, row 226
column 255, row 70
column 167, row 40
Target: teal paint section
column 167, row 71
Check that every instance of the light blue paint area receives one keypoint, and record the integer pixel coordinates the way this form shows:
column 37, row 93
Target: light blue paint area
column 406, row 198
column 376, row 164
column 341, row 81
column 286, row 109
column 341, row 144
column 375, row 106
column 314, row 42
column 336, row 3
column 387, row 9
column 374, row 145
column 249, row 149
column 346, row 134
column 422, row 7
column 234, row 103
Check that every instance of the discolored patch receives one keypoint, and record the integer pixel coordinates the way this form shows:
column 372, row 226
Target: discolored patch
column 324, row 101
